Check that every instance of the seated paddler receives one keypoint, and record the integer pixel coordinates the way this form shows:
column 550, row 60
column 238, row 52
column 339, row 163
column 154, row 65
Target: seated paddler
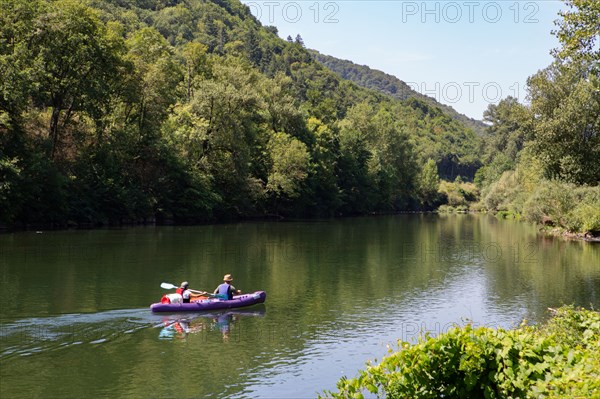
column 187, row 294
column 226, row 290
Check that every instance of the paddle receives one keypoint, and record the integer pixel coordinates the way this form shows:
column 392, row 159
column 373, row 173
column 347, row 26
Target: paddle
column 168, row 286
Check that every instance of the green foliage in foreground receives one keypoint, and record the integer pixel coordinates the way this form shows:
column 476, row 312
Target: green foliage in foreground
column 560, row 359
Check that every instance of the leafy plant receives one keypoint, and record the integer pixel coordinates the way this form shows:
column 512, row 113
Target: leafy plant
column 558, row 359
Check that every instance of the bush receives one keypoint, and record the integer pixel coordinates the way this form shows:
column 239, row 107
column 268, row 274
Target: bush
column 550, row 203
column 458, row 193
column 446, row 209
column 508, row 215
column 501, row 194
column 558, row 360
column 585, row 217
column 565, row 205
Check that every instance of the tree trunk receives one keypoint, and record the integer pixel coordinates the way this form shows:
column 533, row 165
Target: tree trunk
column 54, row 129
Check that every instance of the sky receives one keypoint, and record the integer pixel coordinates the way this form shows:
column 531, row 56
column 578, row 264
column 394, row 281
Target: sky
column 466, row 54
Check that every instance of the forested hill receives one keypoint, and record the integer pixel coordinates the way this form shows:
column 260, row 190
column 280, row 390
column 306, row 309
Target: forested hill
column 389, row 84
column 118, row 111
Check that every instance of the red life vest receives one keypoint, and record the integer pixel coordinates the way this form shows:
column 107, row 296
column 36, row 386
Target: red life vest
column 180, row 291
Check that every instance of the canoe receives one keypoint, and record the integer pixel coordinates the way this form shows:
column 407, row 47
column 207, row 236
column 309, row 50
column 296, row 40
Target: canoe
column 238, row 301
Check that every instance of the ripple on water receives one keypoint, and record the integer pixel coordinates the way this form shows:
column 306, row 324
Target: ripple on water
column 29, row 336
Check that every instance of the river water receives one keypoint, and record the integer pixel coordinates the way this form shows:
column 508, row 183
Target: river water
column 75, row 320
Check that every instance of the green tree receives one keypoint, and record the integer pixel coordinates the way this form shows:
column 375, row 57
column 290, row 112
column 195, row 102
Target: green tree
column 322, row 179
column 176, row 24
column 392, row 164
column 567, row 129
column 289, row 165
column 429, row 183
column 17, row 19
column 511, row 125
column 252, row 47
column 218, row 132
column 579, row 32
column 158, row 77
column 565, row 97
column 197, row 65
column 74, row 63
column 355, row 182
column 281, row 111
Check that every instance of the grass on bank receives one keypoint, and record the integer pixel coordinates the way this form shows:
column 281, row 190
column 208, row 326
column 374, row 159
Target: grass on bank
column 559, row 359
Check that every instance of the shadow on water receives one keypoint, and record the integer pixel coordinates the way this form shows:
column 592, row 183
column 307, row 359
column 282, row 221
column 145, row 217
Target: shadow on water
column 26, row 337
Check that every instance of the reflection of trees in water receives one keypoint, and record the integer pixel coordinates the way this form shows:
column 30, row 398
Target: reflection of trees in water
column 207, row 323
column 355, row 261
column 541, row 271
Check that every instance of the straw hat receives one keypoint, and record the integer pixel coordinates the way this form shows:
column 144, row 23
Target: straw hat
column 227, row 277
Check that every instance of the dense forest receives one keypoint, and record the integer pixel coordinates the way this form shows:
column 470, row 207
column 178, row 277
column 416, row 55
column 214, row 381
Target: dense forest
column 120, row 111
column 127, row 111
column 364, row 76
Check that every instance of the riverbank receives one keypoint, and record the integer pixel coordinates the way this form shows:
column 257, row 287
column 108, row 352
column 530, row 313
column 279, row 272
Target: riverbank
column 548, row 231
column 556, row 208
column 559, row 359
column 444, row 209
column 558, row 232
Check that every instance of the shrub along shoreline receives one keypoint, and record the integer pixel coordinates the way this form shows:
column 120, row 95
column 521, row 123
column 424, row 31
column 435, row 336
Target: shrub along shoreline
column 559, row 359
column 558, row 208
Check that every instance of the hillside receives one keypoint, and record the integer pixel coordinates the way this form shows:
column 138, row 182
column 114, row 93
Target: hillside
column 389, row 84
column 189, row 110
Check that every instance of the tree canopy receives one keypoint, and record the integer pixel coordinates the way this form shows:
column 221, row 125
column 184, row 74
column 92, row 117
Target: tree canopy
column 188, row 110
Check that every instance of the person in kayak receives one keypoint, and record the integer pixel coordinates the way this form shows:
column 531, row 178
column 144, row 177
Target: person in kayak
column 226, row 290
column 185, row 293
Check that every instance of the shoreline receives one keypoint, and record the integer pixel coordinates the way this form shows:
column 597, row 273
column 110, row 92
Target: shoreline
column 567, row 235
column 546, row 231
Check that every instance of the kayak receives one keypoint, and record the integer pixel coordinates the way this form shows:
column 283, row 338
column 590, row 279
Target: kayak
column 238, row 301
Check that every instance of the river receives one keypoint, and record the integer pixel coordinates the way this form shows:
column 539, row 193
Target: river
column 75, row 320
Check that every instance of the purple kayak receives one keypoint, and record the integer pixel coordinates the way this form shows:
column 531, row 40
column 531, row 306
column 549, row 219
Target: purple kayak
column 238, row 301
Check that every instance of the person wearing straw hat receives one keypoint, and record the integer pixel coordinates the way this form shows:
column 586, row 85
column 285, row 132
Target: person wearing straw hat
column 226, row 290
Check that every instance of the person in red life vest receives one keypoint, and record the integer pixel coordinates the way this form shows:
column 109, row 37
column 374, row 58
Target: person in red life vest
column 185, row 293
column 226, row 290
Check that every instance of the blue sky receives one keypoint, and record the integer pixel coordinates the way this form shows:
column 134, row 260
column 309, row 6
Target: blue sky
column 466, row 54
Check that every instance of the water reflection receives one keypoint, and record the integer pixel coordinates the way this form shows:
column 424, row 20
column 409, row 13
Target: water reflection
column 182, row 326
column 339, row 293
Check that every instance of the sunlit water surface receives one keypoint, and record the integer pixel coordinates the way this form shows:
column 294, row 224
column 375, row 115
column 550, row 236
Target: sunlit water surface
column 75, row 320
